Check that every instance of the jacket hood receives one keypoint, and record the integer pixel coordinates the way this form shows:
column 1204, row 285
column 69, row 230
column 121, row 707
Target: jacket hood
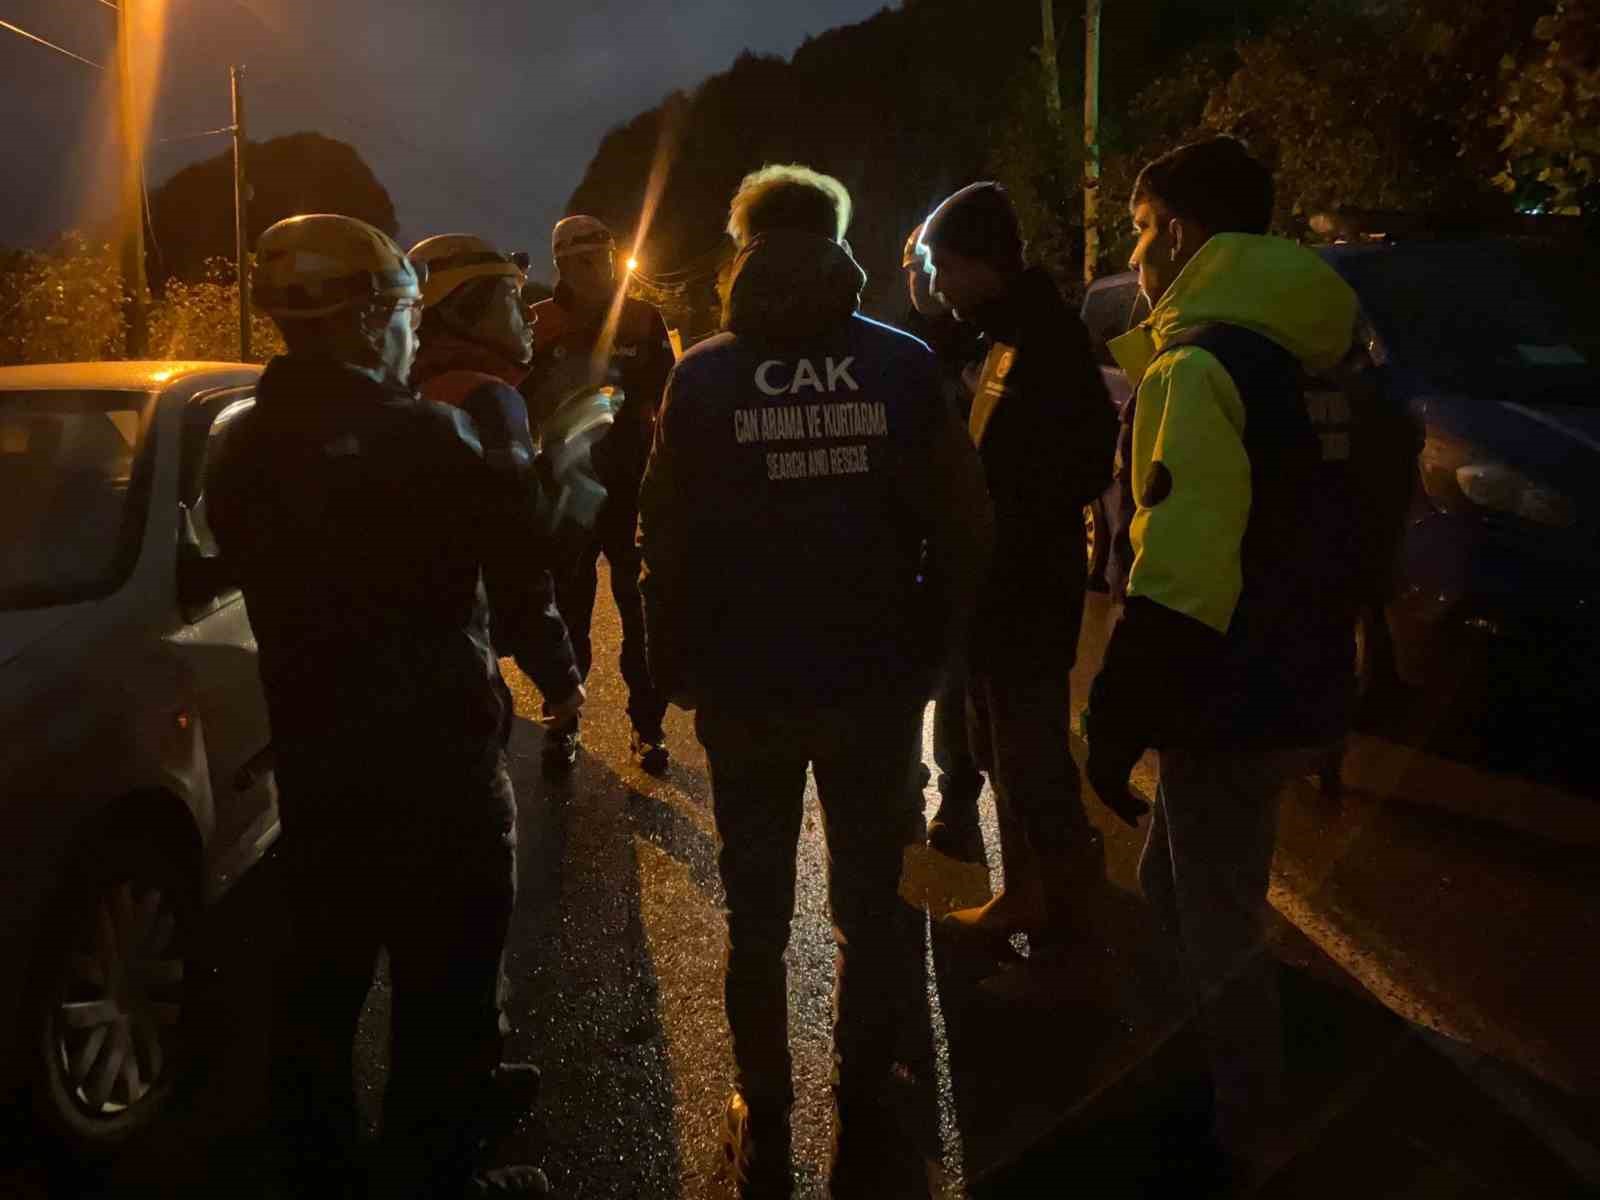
column 790, row 286
column 444, row 352
column 1270, row 285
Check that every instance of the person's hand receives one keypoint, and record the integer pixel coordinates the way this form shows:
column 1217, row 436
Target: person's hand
column 1110, row 767
column 564, row 712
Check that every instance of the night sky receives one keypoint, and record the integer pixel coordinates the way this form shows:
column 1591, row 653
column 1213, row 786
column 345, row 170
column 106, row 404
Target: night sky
column 477, row 115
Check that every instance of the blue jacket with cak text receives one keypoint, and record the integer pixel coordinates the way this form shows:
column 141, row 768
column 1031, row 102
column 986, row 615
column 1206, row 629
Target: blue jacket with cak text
column 813, row 516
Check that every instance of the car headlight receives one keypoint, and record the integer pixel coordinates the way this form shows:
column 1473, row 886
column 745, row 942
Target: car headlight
column 1497, row 487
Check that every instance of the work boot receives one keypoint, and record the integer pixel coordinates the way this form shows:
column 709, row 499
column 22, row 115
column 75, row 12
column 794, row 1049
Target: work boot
column 757, row 1146
column 650, row 752
column 1011, row 910
column 560, row 751
column 954, row 830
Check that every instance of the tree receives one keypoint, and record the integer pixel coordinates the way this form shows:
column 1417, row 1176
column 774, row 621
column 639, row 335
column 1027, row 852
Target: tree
column 903, row 108
column 191, row 215
column 1549, row 107
column 1379, row 105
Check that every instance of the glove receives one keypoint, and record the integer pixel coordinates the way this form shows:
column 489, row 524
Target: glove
column 1110, row 766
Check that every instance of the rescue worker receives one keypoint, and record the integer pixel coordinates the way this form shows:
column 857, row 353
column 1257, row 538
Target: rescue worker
column 954, row 828
column 591, row 333
column 474, row 330
column 1045, row 428
column 1233, row 653
column 802, row 460
column 372, row 532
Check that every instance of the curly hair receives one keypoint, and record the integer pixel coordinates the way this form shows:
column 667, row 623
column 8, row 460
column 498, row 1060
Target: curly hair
column 791, row 197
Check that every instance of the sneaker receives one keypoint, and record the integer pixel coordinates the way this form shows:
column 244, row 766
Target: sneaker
column 560, row 752
column 508, row 1181
column 954, row 831
column 757, row 1149
column 650, row 753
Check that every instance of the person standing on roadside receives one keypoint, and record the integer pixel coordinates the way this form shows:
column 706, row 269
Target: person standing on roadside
column 1233, row 655
column 954, row 828
column 803, row 460
column 592, row 334
column 1045, row 428
column 372, row 532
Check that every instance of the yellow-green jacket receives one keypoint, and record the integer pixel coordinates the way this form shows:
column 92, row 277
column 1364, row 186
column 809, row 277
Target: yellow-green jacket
column 1224, row 620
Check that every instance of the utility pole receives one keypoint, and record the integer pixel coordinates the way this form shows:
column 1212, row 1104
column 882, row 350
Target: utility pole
column 1047, row 56
column 133, row 277
column 241, row 211
column 1091, row 140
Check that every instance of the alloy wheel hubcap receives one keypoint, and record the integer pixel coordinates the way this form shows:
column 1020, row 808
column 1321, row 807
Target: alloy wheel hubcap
column 120, row 1001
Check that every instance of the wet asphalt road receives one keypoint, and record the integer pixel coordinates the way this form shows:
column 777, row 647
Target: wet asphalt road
column 1461, row 899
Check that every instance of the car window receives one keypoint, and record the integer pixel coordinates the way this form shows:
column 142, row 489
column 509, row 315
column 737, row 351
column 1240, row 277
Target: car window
column 1112, row 309
column 75, row 474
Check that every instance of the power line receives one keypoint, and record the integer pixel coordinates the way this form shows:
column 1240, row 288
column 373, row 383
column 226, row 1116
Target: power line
column 189, row 137
column 109, row 5
column 34, row 37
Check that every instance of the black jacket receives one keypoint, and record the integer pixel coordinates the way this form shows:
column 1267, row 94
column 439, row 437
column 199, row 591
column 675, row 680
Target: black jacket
column 803, row 462
column 1047, row 446
column 568, row 353
column 371, row 536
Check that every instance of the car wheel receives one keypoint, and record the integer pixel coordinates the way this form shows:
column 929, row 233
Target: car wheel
column 108, row 995
column 1097, row 544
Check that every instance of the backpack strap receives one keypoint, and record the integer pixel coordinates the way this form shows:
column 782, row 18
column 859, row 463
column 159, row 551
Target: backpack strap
column 1247, row 356
column 1269, row 380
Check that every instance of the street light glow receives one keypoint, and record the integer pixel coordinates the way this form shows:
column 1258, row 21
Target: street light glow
column 633, row 264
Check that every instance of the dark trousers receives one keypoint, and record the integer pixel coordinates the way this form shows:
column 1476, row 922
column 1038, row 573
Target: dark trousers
column 1021, row 735
column 960, row 781
column 614, row 536
column 860, row 756
column 1206, row 867
column 424, row 868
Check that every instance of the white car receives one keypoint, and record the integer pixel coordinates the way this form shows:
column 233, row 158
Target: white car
column 135, row 777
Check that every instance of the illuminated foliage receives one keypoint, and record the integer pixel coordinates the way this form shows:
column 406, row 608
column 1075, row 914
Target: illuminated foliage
column 201, row 320
column 65, row 305
column 1549, row 111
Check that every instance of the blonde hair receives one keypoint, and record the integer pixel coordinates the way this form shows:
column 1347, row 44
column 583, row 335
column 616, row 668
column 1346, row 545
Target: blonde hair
column 789, row 196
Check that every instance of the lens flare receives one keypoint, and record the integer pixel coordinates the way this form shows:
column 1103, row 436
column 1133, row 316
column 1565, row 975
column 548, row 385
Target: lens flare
column 660, row 169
